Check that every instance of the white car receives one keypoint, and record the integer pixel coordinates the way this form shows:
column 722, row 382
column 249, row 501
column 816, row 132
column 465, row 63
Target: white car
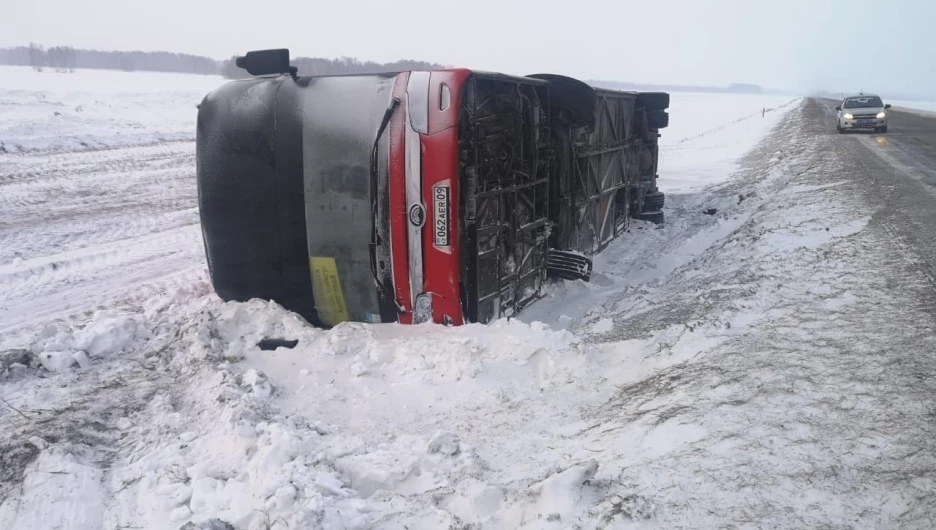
column 862, row 112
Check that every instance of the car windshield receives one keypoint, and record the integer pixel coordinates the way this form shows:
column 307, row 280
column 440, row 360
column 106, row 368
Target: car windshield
column 863, row 103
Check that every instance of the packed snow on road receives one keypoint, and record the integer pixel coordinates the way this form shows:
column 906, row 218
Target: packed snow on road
column 721, row 371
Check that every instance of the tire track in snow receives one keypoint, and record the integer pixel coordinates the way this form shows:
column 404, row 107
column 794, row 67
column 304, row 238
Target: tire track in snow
column 67, row 164
column 90, row 229
column 131, row 194
column 91, row 150
column 31, row 277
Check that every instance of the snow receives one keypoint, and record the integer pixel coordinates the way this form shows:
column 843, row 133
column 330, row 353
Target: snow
column 683, row 388
column 61, row 480
column 709, row 133
column 96, row 108
column 923, row 107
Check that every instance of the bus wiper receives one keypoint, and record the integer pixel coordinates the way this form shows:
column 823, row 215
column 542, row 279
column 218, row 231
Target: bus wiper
column 381, row 288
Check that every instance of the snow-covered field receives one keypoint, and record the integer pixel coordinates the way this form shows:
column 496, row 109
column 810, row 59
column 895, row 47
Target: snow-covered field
column 709, row 133
column 655, row 397
column 923, row 106
column 96, row 108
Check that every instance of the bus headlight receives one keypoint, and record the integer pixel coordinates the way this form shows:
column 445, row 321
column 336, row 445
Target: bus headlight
column 422, row 309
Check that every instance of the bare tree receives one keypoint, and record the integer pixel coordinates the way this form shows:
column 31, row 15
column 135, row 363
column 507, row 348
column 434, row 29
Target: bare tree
column 55, row 58
column 61, row 58
column 37, row 56
column 67, row 59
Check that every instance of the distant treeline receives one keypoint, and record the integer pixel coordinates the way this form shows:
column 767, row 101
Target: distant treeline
column 66, row 58
column 734, row 88
column 63, row 58
column 343, row 65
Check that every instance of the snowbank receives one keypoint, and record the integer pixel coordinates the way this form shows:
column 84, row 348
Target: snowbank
column 364, row 418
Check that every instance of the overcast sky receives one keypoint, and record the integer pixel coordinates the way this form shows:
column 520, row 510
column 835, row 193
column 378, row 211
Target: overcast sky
column 884, row 46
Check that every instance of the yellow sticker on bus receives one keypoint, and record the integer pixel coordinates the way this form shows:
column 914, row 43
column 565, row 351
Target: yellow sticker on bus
column 326, row 287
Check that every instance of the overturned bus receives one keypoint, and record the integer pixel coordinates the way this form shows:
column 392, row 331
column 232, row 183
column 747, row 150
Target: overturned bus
column 448, row 196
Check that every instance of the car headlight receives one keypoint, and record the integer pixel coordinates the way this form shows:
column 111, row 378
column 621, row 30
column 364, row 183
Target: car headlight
column 847, row 116
column 422, row 309
column 882, row 115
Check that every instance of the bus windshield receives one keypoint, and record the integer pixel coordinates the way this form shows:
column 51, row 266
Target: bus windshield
column 341, row 116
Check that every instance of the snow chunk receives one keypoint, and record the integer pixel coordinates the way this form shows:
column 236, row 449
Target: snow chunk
column 283, row 499
column 103, row 336
column 405, row 468
column 109, row 335
column 57, row 361
column 330, row 485
column 82, row 359
column 258, row 383
column 175, row 494
column 604, row 325
column 180, row 514
column 560, row 493
column 445, row 443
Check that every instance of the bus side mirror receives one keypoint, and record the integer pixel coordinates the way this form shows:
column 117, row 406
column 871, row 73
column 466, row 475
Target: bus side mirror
column 266, row 62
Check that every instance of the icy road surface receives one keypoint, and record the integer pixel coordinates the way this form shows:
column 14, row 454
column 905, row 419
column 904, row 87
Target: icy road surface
column 768, row 366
